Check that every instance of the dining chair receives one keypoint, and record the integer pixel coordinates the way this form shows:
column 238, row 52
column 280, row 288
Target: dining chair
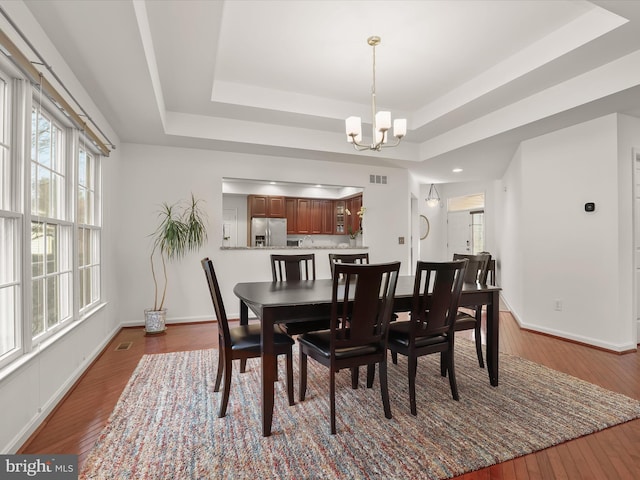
column 358, row 258
column 241, row 343
column 477, row 271
column 296, row 268
column 430, row 328
column 367, row 293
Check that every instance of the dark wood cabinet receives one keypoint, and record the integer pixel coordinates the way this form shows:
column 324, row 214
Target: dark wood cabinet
column 308, row 216
column 291, row 211
column 266, row 206
column 321, row 217
column 277, row 208
column 303, row 216
column 352, row 221
column 327, row 217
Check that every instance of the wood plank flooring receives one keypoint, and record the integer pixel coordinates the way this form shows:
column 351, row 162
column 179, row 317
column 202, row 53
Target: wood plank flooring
column 611, row 454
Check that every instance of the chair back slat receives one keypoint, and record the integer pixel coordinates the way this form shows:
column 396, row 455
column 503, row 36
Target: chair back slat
column 363, row 293
column 436, row 294
column 293, row 268
column 216, row 297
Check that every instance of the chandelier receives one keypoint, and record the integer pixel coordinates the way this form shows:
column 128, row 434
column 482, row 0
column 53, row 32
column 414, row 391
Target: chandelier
column 433, row 198
column 381, row 121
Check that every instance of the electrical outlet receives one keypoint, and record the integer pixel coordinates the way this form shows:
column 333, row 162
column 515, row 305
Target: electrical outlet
column 558, row 305
column 401, row 240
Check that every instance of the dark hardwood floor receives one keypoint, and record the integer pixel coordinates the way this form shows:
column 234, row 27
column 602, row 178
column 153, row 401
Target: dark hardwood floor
column 611, row 454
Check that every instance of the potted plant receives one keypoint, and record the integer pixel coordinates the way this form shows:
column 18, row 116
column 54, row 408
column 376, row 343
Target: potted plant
column 181, row 229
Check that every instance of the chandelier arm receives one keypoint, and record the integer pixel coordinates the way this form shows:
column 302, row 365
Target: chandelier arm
column 386, row 145
column 357, row 145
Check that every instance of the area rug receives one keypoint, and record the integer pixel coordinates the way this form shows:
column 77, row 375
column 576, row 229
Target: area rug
column 165, row 425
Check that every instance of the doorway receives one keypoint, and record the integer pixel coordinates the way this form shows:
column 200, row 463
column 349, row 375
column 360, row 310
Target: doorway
column 465, row 225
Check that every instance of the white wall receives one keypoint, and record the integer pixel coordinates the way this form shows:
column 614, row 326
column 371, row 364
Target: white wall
column 509, row 236
column 554, row 251
column 151, row 175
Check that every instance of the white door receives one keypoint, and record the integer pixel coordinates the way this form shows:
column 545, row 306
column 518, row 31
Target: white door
column 458, row 233
column 230, row 227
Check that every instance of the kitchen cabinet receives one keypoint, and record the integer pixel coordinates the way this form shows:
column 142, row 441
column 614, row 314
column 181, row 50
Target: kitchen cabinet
column 321, row 216
column 303, row 216
column 308, row 216
column 291, row 211
column 266, row 206
column 339, row 223
column 352, row 221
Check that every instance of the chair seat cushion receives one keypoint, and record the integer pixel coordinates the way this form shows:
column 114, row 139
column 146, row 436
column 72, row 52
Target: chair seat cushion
column 309, row 325
column 464, row 321
column 247, row 337
column 399, row 333
column 320, row 341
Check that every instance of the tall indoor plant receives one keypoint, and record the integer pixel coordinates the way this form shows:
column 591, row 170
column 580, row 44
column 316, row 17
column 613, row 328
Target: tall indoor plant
column 181, row 229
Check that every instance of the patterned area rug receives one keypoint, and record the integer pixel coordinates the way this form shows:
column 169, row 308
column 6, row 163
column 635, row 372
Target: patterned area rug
column 165, row 425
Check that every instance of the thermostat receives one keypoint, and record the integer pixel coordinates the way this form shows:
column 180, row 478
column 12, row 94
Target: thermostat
column 589, row 207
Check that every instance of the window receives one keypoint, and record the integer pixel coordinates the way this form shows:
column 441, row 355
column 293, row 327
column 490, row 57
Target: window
column 10, row 221
column 50, row 219
column 477, row 231
column 88, row 229
column 51, row 273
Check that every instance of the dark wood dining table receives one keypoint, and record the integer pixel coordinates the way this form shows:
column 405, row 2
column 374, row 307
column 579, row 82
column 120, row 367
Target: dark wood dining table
column 281, row 302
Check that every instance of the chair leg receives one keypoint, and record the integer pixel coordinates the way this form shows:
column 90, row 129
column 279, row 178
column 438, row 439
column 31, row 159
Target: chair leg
column 221, row 356
column 394, row 357
column 303, row 374
column 243, row 365
column 413, row 368
column 227, row 386
column 289, row 356
column 355, row 374
column 384, row 389
column 371, row 374
column 443, row 364
column 478, row 334
column 332, row 399
column 452, row 374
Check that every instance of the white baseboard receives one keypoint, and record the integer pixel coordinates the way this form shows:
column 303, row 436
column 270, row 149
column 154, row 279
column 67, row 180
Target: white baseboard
column 53, row 401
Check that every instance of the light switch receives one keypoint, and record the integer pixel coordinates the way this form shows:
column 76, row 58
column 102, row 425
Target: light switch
column 401, row 240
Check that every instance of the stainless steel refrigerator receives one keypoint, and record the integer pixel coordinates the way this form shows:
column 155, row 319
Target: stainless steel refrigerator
column 268, row 232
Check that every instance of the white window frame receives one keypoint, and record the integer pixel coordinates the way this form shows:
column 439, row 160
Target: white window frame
column 93, row 226
column 11, row 212
column 63, row 276
column 21, row 97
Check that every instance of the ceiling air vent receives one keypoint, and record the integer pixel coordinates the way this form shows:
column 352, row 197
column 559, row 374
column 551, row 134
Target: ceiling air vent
column 380, row 179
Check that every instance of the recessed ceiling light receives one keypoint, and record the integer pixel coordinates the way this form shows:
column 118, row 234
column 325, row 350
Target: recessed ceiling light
column 457, row 170
column 319, row 186
column 272, row 183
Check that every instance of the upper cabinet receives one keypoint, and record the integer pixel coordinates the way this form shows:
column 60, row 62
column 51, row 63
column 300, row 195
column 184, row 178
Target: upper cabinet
column 266, row 206
column 308, row 216
column 339, row 222
column 291, row 209
column 352, row 221
column 322, row 216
